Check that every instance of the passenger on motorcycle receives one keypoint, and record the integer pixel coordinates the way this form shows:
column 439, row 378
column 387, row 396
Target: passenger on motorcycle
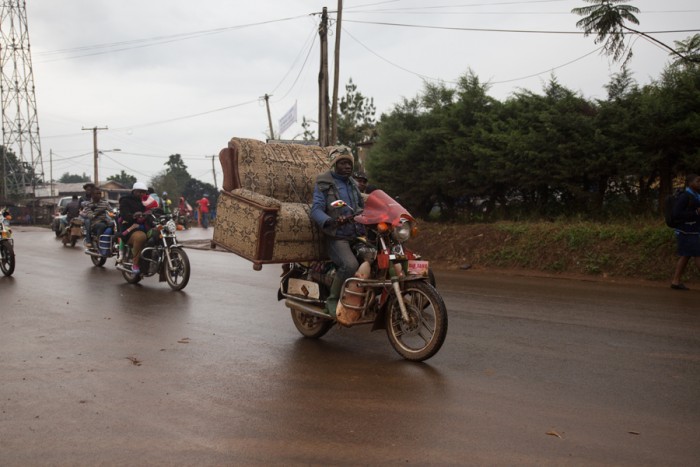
column 133, row 224
column 71, row 211
column 84, row 201
column 337, row 223
column 97, row 212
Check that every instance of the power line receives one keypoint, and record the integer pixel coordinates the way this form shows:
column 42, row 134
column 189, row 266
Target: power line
column 519, row 31
column 454, row 82
column 152, row 41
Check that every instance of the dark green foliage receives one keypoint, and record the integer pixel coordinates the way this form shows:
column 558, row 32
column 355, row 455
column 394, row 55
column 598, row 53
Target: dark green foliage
column 74, row 178
column 124, row 178
column 540, row 155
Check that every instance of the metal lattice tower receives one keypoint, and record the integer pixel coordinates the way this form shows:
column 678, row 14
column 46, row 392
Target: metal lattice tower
column 20, row 124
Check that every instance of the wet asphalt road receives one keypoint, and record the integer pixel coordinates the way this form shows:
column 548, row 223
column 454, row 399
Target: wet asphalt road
column 534, row 371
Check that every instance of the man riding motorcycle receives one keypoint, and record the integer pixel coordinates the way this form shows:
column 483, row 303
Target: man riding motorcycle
column 71, row 211
column 97, row 212
column 133, row 224
column 336, row 222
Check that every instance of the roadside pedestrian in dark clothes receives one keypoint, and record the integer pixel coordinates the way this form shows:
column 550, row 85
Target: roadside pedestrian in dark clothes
column 687, row 212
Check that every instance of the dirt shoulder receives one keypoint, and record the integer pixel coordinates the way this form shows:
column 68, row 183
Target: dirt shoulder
column 584, row 251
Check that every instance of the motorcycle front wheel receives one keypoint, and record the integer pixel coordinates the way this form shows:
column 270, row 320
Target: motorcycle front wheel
column 7, row 258
column 178, row 275
column 422, row 336
column 131, row 278
column 311, row 326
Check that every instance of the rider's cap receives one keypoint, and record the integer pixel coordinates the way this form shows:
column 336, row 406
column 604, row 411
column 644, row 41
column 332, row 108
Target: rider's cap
column 165, row 193
column 339, row 153
column 139, row 186
column 87, row 185
column 360, row 175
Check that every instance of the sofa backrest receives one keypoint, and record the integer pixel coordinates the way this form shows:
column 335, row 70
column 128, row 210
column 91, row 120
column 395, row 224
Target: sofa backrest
column 286, row 172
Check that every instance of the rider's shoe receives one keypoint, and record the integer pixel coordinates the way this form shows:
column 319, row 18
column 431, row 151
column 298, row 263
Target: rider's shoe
column 135, row 270
column 333, row 297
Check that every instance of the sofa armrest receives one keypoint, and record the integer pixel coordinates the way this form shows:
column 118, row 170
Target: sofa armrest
column 256, row 198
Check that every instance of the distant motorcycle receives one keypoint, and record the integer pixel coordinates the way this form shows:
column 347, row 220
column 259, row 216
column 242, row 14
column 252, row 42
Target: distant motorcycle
column 164, row 257
column 7, row 249
column 73, row 232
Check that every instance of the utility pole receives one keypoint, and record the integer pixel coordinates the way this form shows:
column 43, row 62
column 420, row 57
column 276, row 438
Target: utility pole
column 96, row 180
column 213, row 167
column 323, row 136
column 269, row 121
column 336, row 75
column 51, row 169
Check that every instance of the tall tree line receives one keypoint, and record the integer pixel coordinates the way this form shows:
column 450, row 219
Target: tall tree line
column 548, row 154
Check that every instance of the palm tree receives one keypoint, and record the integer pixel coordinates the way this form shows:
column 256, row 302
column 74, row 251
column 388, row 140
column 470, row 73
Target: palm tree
column 606, row 19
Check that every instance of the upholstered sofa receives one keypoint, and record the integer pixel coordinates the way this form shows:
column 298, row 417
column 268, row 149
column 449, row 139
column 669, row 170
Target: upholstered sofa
column 263, row 210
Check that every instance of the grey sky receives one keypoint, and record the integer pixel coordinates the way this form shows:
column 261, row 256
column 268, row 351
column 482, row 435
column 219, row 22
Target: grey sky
column 139, row 67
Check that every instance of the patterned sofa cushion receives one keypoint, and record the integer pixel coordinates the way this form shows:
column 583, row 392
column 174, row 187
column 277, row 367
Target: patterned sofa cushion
column 285, row 172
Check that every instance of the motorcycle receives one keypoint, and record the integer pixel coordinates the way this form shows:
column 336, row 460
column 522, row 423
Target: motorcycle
column 73, row 232
column 7, row 245
column 182, row 218
column 162, row 255
column 392, row 289
column 105, row 246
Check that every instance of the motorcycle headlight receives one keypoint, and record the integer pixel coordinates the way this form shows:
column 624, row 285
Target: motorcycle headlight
column 170, row 226
column 402, row 232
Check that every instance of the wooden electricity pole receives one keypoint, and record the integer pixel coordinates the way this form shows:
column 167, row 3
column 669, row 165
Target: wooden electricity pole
column 94, row 149
column 269, row 118
column 336, row 75
column 323, row 135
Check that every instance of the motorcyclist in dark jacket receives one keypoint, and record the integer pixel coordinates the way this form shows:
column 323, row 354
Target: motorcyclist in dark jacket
column 71, row 211
column 133, row 222
column 337, row 223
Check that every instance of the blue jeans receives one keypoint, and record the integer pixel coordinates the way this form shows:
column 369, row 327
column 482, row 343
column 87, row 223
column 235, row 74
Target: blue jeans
column 342, row 256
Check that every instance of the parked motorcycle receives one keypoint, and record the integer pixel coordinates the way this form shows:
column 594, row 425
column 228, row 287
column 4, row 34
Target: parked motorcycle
column 7, row 246
column 164, row 256
column 391, row 289
column 73, row 232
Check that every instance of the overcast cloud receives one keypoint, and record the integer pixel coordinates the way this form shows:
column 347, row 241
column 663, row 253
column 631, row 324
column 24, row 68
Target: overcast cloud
column 205, row 60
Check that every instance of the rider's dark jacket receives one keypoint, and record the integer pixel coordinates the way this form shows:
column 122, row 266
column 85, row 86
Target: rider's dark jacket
column 331, row 187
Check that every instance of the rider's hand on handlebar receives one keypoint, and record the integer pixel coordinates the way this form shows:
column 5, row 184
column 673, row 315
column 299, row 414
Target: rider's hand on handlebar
column 343, row 220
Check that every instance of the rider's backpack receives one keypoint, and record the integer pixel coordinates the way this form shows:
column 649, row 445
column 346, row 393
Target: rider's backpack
column 669, row 205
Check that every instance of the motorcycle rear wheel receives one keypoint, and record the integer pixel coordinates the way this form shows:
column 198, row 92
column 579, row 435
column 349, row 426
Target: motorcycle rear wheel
column 73, row 240
column 131, row 278
column 98, row 261
column 179, row 275
column 7, row 258
column 311, row 327
column 421, row 338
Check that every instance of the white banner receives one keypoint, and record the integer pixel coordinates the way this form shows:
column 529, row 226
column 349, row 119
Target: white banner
column 288, row 118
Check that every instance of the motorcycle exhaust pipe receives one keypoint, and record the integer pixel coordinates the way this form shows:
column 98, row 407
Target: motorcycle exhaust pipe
column 306, row 308
column 121, row 267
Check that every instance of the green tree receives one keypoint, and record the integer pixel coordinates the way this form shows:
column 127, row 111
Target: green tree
column 173, row 179
column 356, row 117
column 74, row 178
column 15, row 175
column 123, row 178
column 606, row 19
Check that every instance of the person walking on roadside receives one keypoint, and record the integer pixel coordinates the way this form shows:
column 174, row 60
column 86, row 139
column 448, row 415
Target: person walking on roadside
column 686, row 212
column 203, row 206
